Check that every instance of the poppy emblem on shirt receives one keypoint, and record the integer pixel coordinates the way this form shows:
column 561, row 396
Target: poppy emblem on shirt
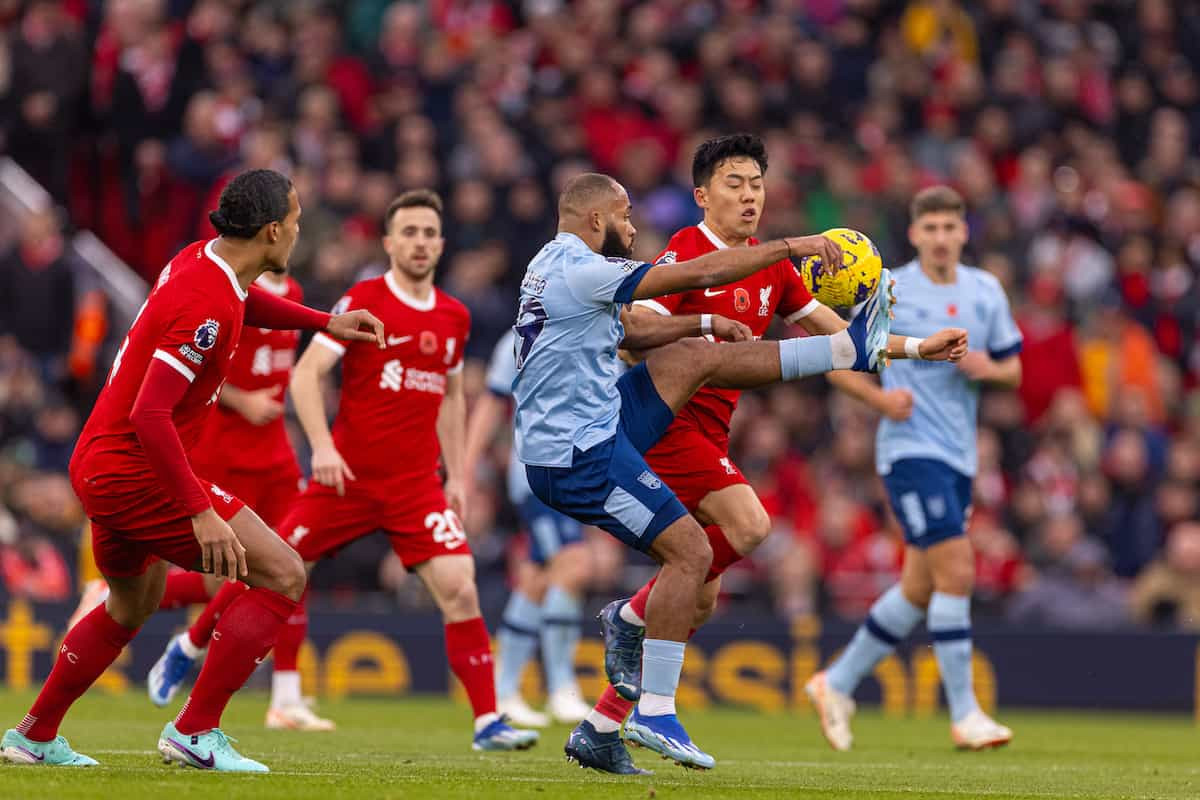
column 952, row 310
column 428, row 342
column 741, row 300
column 206, row 335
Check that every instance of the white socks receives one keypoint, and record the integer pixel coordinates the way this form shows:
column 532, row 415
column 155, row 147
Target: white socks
column 285, row 689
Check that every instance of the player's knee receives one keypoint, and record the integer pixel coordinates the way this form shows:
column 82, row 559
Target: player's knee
column 569, row 568
column 288, row 576
column 459, row 598
column 957, row 577
column 706, row 605
column 749, row 530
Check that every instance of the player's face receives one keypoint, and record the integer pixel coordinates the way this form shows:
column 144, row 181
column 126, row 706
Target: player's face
column 939, row 238
column 414, row 241
column 619, row 233
column 733, row 198
column 286, row 234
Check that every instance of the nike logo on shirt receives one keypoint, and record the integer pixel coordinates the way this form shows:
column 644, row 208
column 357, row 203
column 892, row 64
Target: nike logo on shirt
column 711, row 293
column 395, row 340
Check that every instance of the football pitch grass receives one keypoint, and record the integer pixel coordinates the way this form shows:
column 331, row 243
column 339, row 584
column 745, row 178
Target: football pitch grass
column 420, row 748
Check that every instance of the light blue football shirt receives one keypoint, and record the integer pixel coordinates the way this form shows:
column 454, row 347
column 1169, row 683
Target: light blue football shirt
column 502, row 370
column 568, row 327
column 945, row 403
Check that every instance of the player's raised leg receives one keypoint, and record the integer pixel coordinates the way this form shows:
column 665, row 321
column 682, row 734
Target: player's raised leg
column 88, row 649
column 451, row 581
column 242, row 638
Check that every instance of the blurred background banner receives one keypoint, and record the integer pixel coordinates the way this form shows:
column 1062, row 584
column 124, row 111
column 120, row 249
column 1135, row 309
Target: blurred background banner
column 362, row 650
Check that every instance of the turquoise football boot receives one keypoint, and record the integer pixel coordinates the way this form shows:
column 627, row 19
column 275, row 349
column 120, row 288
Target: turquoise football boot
column 212, row 750
column 18, row 749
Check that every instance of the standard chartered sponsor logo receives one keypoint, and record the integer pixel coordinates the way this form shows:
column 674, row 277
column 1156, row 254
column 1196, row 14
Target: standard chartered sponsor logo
column 396, row 376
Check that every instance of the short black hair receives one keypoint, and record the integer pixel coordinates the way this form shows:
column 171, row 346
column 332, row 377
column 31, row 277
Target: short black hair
column 584, row 192
column 714, row 152
column 251, row 200
column 413, row 198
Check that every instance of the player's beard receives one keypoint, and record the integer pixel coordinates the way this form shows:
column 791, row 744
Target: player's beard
column 613, row 246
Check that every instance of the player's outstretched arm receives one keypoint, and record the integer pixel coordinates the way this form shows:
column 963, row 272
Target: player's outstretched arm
column 265, row 310
column 328, row 467
column 645, row 329
column 451, row 433
column 895, row 404
column 731, row 264
column 949, row 344
column 1004, row 372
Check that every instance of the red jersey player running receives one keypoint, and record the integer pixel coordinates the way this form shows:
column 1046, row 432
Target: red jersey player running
column 400, row 408
column 693, row 456
column 131, row 472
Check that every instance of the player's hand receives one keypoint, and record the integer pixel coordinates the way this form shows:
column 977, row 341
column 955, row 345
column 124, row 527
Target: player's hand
column 350, row 326
column 260, row 406
column 977, row 365
column 826, row 249
column 730, row 330
column 948, row 344
column 897, row 404
column 330, row 469
column 456, row 497
column 220, row 551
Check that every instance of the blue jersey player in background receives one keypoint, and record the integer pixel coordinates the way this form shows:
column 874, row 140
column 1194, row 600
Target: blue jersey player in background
column 547, row 598
column 925, row 452
column 582, row 426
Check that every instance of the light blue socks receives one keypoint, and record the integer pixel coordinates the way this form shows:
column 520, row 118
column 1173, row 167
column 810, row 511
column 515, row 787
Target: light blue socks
column 561, row 624
column 891, row 619
column 950, row 629
column 810, row 355
column 516, row 642
column 662, row 661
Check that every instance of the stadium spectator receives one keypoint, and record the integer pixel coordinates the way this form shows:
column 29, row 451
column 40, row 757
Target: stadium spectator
column 1075, row 590
column 1168, row 591
column 37, row 293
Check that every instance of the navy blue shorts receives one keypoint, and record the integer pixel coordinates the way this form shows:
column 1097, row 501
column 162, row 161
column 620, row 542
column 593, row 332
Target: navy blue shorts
column 549, row 531
column 931, row 499
column 610, row 485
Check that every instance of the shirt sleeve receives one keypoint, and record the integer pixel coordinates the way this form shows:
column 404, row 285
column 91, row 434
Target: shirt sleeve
column 266, row 310
column 459, row 354
column 190, row 342
column 795, row 301
column 323, row 339
column 667, row 304
column 502, row 368
column 603, row 281
column 163, row 386
column 1004, row 337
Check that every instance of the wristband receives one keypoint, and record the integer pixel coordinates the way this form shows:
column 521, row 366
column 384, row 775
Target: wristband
column 912, row 348
column 706, row 324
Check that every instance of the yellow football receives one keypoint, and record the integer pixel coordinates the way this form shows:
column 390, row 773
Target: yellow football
column 854, row 281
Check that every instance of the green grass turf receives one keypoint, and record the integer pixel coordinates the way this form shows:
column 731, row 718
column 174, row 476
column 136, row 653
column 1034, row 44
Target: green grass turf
column 419, row 747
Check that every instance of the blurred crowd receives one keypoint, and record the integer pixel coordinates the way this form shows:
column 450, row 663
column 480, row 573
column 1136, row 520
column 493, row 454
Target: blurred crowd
column 1072, row 127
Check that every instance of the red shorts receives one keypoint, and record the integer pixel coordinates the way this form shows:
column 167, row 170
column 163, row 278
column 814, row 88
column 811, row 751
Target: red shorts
column 270, row 492
column 693, row 462
column 122, row 551
column 413, row 515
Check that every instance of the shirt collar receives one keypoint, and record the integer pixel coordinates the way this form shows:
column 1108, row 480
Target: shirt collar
column 228, row 270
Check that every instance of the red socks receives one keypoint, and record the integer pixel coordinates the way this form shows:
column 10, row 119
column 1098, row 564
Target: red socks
column 291, row 636
column 469, row 650
column 88, row 649
column 202, row 628
column 724, row 557
column 613, row 706
column 184, row 589
column 241, row 641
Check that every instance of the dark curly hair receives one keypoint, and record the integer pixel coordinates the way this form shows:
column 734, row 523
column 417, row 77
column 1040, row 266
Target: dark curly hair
column 252, row 199
column 712, row 153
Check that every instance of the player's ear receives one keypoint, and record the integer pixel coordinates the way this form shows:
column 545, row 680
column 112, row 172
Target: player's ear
column 700, row 194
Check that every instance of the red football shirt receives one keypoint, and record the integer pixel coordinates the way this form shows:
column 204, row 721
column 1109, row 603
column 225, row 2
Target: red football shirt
column 263, row 359
column 191, row 321
column 386, row 425
column 754, row 301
